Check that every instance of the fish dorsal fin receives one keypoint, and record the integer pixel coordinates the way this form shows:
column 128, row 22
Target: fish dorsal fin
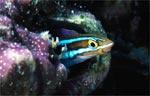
column 64, row 33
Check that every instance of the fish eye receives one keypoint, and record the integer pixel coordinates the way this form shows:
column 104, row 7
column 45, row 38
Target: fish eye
column 92, row 43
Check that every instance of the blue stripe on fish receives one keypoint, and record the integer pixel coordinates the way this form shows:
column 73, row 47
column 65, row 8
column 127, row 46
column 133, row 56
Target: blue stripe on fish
column 71, row 54
column 68, row 41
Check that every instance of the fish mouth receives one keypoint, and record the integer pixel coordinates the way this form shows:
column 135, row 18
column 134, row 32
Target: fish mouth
column 100, row 51
column 106, row 48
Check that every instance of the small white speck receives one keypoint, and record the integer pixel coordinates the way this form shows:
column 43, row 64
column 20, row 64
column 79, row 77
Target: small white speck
column 35, row 42
column 23, row 53
column 5, row 54
column 4, row 64
column 41, row 63
column 0, row 67
column 15, row 43
column 80, row 6
column 13, row 59
column 21, row 50
column 4, row 51
column 36, row 37
column 31, row 89
column 1, row 56
column 2, row 48
column 1, row 75
column 5, row 18
column 38, row 40
column 22, row 35
column 12, row 33
column 22, row 73
column 32, row 42
column 28, row 12
column 28, row 55
column 12, row 45
column 13, row 50
column 11, row 84
column 39, row 46
column 59, row 83
column 48, row 82
column 44, row 48
column 42, row 43
column 32, row 45
column 12, row 11
column 42, row 54
column 25, row 29
column 72, row 11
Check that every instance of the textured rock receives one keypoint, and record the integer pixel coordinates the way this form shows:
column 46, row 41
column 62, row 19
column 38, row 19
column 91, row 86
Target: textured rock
column 33, row 64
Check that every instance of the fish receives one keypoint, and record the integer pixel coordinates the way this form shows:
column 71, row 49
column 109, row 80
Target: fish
column 77, row 49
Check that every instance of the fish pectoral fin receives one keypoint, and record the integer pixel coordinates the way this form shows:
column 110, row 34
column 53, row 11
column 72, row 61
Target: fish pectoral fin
column 64, row 48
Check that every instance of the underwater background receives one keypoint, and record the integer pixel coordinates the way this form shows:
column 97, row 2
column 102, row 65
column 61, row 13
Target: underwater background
column 26, row 27
column 128, row 24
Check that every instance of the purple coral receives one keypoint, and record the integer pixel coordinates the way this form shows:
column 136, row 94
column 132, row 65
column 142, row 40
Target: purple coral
column 16, row 66
column 25, row 57
column 11, row 55
column 41, row 71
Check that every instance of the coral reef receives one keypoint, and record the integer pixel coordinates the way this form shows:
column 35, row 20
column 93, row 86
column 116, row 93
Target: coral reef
column 28, row 58
column 30, row 66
